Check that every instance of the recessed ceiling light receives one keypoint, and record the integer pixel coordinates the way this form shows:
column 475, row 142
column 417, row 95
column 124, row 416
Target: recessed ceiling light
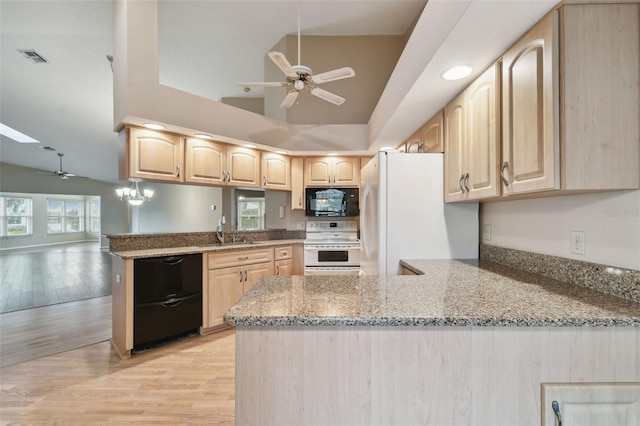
column 203, row 136
column 153, row 126
column 456, row 73
column 249, row 145
column 332, row 153
column 16, row 135
column 281, row 152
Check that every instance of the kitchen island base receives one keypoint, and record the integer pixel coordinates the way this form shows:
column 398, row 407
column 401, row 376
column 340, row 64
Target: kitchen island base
column 337, row 375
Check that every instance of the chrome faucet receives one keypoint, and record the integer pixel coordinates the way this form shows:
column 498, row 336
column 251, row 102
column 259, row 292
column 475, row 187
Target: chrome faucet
column 220, row 230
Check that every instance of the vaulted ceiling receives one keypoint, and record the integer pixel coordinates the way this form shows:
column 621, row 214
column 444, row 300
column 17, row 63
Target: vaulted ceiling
column 206, row 47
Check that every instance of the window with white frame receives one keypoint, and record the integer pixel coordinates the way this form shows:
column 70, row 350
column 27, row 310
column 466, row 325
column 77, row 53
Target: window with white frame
column 64, row 216
column 93, row 216
column 17, row 216
column 250, row 210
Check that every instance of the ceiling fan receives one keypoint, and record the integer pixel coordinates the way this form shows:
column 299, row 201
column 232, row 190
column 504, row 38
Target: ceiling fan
column 300, row 77
column 60, row 172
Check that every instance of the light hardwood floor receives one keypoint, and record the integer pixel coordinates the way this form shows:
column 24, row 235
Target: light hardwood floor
column 191, row 381
column 47, row 330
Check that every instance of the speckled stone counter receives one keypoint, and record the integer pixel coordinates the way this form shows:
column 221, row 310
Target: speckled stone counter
column 452, row 293
column 176, row 251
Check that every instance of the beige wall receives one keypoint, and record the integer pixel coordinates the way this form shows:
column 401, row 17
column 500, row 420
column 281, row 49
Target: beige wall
column 611, row 222
column 255, row 105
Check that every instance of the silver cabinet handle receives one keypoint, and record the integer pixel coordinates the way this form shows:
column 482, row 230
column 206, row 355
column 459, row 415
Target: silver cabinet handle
column 240, row 276
column 277, row 269
column 504, row 179
column 228, row 173
column 556, row 409
column 178, row 170
column 264, row 180
column 300, row 201
column 466, row 182
column 460, row 183
column 243, row 258
column 245, row 275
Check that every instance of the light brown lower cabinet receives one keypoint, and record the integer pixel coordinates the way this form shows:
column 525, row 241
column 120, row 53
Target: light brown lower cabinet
column 229, row 276
column 283, row 260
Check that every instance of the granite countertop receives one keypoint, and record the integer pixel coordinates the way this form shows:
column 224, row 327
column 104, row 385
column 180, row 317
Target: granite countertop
column 451, row 293
column 176, row 251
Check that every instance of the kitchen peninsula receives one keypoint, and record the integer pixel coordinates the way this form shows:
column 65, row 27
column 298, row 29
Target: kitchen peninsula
column 467, row 342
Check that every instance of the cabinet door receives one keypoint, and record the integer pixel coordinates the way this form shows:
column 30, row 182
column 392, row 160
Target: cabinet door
column 429, row 136
column 154, row 155
column 204, row 161
column 276, row 173
column 530, row 145
column 243, row 165
column 284, row 267
column 297, row 184
column 254, row 272
column 318, row 171
column 591, row 404
column 226, row 287
column 454, row 137
column 346, row 171
column 482, row 142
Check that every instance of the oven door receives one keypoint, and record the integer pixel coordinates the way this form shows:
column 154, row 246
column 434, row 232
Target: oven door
column 334, row 255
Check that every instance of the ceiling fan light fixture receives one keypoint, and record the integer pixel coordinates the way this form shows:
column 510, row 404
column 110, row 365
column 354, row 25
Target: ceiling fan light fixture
column 456, row 73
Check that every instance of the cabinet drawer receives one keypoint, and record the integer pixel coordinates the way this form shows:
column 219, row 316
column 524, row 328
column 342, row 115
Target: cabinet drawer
column 240, row 257
column 282, row 252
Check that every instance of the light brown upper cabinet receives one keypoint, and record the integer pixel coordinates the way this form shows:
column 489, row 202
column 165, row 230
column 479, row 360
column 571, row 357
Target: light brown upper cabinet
column 243, row 166
column 471, row 140
column 276, row 171
column 147, row 154
column 332, row 171
column 570, row 102
column 429, row 138
column 297, row 184
column 217, row 163
column 205, row 161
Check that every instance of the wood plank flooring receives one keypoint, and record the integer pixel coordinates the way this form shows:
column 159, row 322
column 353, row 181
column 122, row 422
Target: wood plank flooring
column 191, row 381
column 38, row 332
column 48, row 275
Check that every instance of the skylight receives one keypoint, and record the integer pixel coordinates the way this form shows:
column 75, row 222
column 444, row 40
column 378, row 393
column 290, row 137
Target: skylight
column 15, row 135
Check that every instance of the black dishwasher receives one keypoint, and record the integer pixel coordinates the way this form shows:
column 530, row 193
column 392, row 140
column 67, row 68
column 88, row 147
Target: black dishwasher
column 167, row 297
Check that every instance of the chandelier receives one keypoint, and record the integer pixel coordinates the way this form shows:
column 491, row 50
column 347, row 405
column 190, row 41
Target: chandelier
column 133, row 195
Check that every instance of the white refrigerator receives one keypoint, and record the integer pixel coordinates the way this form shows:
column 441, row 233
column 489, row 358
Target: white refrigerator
column 403, row 214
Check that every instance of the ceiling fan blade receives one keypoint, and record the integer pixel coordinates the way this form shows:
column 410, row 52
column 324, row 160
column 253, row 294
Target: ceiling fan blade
column 281, row 62
column 289, row 99
column 337, row 74
column 261, row 84
column 327, row 96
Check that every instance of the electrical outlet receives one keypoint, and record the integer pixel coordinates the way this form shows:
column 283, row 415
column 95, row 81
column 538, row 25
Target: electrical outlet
column 301, row 225
column 486, row 233
column 577, row 242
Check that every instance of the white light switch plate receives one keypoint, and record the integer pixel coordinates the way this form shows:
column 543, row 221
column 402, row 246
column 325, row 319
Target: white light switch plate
column 486, row 233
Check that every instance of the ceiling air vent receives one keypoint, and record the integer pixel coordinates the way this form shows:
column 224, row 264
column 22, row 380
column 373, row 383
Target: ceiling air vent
column 33, row 56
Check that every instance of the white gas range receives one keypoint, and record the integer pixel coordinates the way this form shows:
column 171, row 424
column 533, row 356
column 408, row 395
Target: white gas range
column 332, row 248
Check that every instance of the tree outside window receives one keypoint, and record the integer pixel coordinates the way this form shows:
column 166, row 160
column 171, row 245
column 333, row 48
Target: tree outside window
column 250, row 210
column 65, row 216
column 93, row 216
column 17, row 216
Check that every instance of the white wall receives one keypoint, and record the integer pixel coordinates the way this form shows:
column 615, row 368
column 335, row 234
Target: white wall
column 611, row 222
column 177, row 208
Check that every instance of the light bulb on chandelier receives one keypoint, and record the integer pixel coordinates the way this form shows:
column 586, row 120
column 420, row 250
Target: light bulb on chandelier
column 133, row 195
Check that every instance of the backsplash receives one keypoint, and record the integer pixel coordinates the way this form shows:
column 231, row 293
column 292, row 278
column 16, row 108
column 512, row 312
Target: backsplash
column 621, row 282
column 126, row 242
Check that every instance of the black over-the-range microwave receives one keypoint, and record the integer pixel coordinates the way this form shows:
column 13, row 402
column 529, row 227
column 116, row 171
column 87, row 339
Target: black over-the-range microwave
column 332, row 202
